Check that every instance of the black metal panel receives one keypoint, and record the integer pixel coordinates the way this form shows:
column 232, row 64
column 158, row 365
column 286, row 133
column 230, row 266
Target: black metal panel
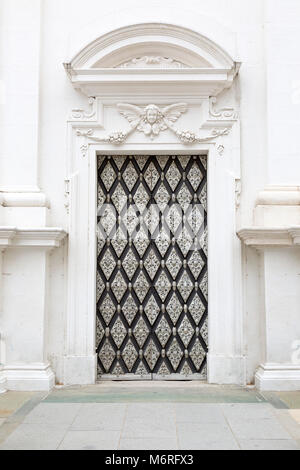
column 152, row 266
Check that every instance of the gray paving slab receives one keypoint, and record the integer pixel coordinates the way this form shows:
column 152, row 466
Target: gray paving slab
column 152, row 412
column 288, row 423
column 186, row 418
column 53, row 413
column 199, row 413
column 100, row 417
column 258, row 429
column 90, row 440
column 35, row 437
column 149, row 444
column 211, row 436
column 250, row 411
column 265, row 444
column 155, row 428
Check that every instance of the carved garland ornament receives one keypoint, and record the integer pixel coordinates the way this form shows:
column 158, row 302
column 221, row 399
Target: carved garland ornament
column 151, row 120
column 153, row 62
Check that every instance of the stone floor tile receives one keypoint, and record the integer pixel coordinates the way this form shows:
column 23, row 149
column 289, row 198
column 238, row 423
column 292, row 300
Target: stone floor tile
column 291, row 399
column 265, row 444
column 2, row 420
column 274, row 399
column 249, row 411
column 211, row 436
column 148, row 444
column 199, row 413
column 269, row 429
column 98, row 417
column 289, row 423
column 90, row 440
column 6, row 430
column 53, row 413
column 135, row 428
column 152, row 411
column 35, row 437
column 295, row 414
column 11, row 401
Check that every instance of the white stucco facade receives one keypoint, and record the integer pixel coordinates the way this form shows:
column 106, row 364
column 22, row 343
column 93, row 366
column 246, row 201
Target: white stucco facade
column 60, row 84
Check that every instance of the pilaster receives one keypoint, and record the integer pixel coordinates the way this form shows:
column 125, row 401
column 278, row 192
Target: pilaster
column 280, row 284
column 21, row 198
column 24, row 307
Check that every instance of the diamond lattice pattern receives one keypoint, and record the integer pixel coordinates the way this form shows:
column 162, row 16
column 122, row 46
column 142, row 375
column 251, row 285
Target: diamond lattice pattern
column 152, row 294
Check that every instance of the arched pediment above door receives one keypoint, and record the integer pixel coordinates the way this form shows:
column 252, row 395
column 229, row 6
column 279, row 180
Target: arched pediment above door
column 162, row 55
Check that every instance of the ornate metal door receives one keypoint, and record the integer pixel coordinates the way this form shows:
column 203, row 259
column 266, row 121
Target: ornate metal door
column 152, row 295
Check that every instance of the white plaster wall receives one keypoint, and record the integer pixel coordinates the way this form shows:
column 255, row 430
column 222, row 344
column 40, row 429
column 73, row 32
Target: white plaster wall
column 22, row 325
column 36, row 37
column 282, row 300
column 253, row 327
column 56, row 321
column 19, row 103
column 283, row 92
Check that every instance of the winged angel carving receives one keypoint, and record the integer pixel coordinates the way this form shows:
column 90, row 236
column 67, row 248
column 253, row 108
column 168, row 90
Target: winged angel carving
column 151, row 119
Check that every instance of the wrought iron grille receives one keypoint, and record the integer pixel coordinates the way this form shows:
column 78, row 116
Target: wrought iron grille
column 152, row 292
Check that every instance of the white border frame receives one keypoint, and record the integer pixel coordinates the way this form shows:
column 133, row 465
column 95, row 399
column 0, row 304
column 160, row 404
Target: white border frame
column 226, row 359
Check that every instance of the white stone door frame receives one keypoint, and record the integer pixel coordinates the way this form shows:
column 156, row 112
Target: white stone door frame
column 225, row 358
column 192, row 91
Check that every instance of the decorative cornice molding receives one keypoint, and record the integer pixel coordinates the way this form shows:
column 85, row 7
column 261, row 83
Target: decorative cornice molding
column 34, row 237
column 6, row 236
column 263, row 237
column 166, row 57
column 159, row 32
column 295, row 234
column 24, row 200
column 279, row 196
column 185, row 81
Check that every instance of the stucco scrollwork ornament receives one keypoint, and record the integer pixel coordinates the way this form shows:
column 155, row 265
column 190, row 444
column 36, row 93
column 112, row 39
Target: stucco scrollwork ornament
column 82, row 115
column 224, row 114
column 151, row 120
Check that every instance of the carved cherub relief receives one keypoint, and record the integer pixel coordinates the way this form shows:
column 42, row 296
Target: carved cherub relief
column 151, row 120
